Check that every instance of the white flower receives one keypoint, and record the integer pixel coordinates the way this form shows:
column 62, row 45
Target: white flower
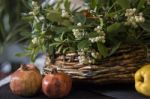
column 91, row 11
column 141, row 19
column 92, row 40
column 77, row 33
column 83, row 60
column 95, row 55
column 81, row 53
column 133, row 18
column 130, row 12
column 134, row 10
column 98, row 28
column 90, row 61
column 136, row 18
column 34, row 3
column 140, row 14
column 35, row 7
column 97, row 39
column 64, row 14
column 30, row 13
column 79, row 24
column 41, row 18
column 34, row 40
column 102, row 37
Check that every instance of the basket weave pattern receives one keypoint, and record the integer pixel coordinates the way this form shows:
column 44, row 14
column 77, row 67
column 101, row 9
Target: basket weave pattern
column 120, row 67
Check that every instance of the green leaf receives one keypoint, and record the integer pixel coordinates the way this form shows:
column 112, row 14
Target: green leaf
column 114, row 48
column 146, row 26
column 141, row 3
column 80, row 18
column 60, row 48
column 67, row 5
column 114, row 28
column 94, row 3
column 65, row 50
column 54, row 44
column 83, row 44
column 101, row 22
column 51, row 50
column 124, row 3
column 62, row 36
column 22, row 54
column 57, row 39
column 146, row 12
column 60, row 29
column 33, row 56
column 65, row 22
column 87, row 1
column 102, row 49
column 54, row 16
column 34, row 53
column 43, row 48
column 93, row 34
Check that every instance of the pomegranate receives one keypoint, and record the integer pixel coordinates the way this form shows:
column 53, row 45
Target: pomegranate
column 56, row 84
column 26, row 81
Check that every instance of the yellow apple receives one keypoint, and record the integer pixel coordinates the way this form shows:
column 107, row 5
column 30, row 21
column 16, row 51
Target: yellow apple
column 142, row 80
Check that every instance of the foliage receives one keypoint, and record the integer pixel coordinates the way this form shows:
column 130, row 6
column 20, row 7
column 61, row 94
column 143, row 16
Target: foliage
column 11, row 24
column 94, row 31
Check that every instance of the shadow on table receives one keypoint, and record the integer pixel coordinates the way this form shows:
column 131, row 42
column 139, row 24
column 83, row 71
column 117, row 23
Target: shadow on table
column 76, row 93
column 86, row 91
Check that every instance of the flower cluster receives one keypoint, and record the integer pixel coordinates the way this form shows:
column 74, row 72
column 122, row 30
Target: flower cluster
column 78, row 33
column 35, row 7
column 134, row 18
column 96, row 55
column 88, row 57
column 34, row 40
column 64, row 14
column 84, row 58
column 100, row 37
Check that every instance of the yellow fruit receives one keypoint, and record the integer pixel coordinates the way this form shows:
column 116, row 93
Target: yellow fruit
column 142, row 80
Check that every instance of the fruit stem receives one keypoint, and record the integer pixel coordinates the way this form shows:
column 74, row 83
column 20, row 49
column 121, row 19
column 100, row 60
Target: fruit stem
column 54, row 70
column 24, row 67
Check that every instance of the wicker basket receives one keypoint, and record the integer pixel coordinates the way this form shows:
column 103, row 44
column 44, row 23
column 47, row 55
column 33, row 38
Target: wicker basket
column 119, row 68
